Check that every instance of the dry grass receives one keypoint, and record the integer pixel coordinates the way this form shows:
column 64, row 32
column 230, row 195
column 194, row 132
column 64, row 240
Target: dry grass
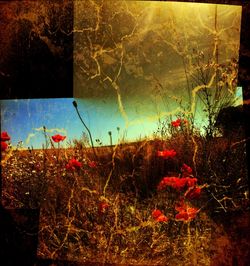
column 103, row 212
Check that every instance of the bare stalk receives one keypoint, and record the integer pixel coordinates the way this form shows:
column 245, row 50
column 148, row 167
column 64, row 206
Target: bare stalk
column 90, row 136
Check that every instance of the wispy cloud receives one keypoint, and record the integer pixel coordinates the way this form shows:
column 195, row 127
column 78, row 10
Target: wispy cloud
column 31, row 135
column 51, row 130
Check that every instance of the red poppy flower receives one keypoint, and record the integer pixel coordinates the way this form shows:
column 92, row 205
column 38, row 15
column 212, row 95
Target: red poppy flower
column 176, row 123
column 186, row 213
column 183, row 216
column 5, row 136
column 58, row 138
column 180, row 206
column 186, row 170
column 159, row 216
column 166, row 153
column 4, row 146
column 162, row 218
column 156, row 213
column 73, row 164
column 92, row 164
column 190, row 182
column 176, row 183
column 103, row 206
column 193, row 193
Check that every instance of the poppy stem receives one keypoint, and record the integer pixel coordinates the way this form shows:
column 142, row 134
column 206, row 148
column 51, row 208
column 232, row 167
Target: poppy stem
column 58, row 152
column 45, row 136
column 90, row 136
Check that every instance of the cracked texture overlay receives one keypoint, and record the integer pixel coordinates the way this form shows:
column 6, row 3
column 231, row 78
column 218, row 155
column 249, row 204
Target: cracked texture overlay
column 145, row 161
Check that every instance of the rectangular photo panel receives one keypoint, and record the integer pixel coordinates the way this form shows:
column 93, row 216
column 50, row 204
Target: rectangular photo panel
column 36, row 49
column 148, row 160
column 155, row 87
column 31, row 131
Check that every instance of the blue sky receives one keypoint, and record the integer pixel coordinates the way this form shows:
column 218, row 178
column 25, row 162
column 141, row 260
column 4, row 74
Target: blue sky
column 24, row 119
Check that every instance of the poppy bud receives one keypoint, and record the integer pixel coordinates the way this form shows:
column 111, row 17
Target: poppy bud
column 75, row 104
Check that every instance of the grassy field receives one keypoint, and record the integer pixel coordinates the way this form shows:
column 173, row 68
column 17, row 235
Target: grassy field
column 151, row 202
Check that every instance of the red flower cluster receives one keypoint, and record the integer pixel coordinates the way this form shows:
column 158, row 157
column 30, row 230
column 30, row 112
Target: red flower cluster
column 92, row 164
column 186, row 170
column 166, row 153
column 103, row 206
column 186, row 213
column 73, row 164
column 177, row 183
column 193, row 193
column 178, row 122
column 58, row 138
column 159, row 216
column 4, row 137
